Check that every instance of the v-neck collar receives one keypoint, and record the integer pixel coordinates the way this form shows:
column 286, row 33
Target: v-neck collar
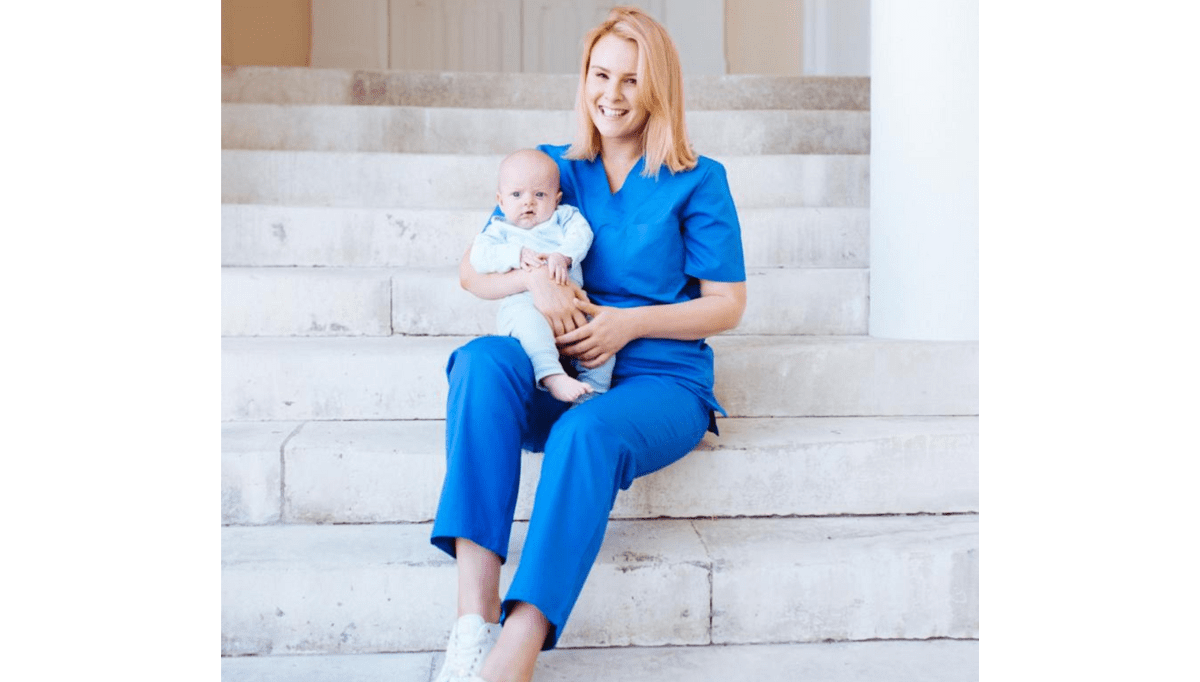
column 636, row 169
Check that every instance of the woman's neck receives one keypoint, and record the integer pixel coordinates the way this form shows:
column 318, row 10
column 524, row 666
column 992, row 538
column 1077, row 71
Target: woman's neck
column 619, row 158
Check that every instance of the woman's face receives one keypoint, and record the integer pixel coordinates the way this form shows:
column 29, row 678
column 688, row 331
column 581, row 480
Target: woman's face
column 611, row 89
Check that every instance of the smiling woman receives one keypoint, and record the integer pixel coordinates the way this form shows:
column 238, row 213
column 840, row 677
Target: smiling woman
column 664, row 271
column 631, row 71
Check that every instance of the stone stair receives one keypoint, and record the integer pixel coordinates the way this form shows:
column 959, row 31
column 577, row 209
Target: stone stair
column 830, row 532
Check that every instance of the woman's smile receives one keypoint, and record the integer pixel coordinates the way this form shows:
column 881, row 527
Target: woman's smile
column 612, row 89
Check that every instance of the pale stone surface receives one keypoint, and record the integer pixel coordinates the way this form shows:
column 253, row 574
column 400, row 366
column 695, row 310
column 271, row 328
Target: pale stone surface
column 794, row 580
column 523, row 91
column 260, row 235
column 390, row 129
column 285, row 85
column 385, row 588
column 805, row 302
column 365, row 472
column 433, row 302
column 335, row 378
column 818, row 466
column 397, row 377
column 910, row 661
column 650, row 586
column 333, row 668
column 798, row 180
column 779, row 301
column 780, row 132
column 263, row 235
column 305, row 302
column 460, row 181
column 332, row 589
column 929, row 661
column 760, row 376
column 387, row 472
column 421, row 302
column 823, row 237
column 251, row 458
column 353, row 179
column 499, row 131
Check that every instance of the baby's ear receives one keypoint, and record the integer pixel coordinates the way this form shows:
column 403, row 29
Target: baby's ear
column 558, row 197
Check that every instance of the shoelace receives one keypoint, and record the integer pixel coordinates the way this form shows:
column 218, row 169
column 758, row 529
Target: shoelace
column 461, row 661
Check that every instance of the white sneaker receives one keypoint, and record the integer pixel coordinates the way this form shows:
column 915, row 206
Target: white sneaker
column 471, row 639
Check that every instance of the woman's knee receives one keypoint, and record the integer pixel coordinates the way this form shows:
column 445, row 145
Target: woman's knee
column 489, row 358
column 586, row 444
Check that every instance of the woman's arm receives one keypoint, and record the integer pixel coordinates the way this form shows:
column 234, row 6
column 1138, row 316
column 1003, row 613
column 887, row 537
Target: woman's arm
column 718, row 309
column 555, row 301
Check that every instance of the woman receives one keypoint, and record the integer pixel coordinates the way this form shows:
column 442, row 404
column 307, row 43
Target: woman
column 665, row 271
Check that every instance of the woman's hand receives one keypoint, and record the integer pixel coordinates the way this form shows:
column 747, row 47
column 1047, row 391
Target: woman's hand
column 556, row 301
column 609, row 330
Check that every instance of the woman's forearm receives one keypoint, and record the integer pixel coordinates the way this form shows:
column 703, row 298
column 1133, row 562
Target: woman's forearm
column 555, row 301
column 493, row 285
column 718, row 309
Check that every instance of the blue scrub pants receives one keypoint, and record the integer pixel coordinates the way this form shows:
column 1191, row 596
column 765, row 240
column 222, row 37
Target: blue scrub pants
column 642, row 424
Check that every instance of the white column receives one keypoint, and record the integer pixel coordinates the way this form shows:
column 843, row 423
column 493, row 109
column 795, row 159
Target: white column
column 925, row 169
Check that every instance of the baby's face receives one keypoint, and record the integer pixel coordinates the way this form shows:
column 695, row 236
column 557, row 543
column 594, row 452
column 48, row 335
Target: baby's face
column 529, row 192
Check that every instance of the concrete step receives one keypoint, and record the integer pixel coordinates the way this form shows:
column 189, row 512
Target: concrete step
column 283, row 85
column 459, row 181
column 280, row 379
column 384, row 588
column 391, row 471
column 266, row 235
column 382, row 302
column 895, row 661
column 343, row 128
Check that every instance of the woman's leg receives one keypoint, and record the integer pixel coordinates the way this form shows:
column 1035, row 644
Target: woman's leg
column 478, row 580
column 492, row 408
column 596, row 449
column 515, row 654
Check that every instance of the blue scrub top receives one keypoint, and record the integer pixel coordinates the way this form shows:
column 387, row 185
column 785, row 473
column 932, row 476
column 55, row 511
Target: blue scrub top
column 653, row 240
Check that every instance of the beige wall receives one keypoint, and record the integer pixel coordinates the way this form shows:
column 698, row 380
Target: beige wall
column 532, row 36
column 266, row 32
column 350, row 34
column 764, row 36
column 778, row 37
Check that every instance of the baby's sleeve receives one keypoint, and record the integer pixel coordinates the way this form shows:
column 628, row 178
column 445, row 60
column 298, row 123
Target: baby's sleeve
column 577, row 233
column 492, row 252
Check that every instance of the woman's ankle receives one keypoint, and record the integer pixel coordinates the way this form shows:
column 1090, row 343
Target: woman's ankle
column 515, row 654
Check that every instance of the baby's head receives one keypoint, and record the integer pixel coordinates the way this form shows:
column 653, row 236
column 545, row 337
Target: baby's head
column 528, row 190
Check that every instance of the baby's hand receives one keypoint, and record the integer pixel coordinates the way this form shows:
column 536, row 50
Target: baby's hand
column 531, row 259
column 559, row 265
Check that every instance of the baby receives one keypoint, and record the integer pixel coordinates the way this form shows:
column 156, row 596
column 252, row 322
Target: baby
column 534, row 232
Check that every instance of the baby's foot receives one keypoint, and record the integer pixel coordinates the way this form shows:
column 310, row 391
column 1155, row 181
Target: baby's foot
column 565, row 388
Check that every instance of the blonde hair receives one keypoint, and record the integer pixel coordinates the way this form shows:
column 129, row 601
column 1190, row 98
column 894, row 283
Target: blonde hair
column 659, row 91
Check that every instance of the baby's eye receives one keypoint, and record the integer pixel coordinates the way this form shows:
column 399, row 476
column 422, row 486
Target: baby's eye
column 516, row 195
column 541, row 195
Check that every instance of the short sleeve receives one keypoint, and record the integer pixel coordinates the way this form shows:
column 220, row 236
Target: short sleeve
column 711, row 232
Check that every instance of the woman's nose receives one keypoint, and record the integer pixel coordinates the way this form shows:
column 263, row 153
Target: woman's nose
column 614, row 90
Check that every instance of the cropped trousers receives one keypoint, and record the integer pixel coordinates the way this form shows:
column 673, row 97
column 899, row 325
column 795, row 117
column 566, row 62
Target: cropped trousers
column 591, row 451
